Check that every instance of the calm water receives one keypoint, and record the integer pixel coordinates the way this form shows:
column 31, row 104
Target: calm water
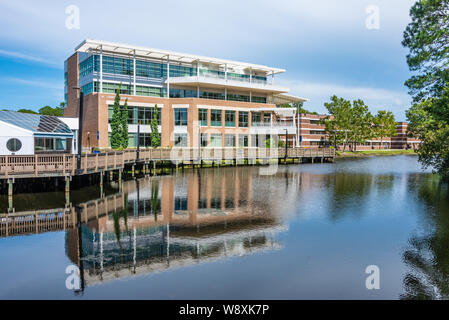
column 306, row 232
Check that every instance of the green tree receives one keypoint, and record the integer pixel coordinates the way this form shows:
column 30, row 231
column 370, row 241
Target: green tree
column 427, row 38
column 124, row 125
column 361, row 122
column 116, row 134
column 384, row 125
column 27, row 111
column 339, row 122
column 49, row 111
column 155, row 137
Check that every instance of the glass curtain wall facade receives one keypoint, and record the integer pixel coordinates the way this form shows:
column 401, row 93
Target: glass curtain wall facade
column 157, row 71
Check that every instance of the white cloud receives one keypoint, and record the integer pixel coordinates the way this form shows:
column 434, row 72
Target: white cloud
column 32, row 58
column 34, row 82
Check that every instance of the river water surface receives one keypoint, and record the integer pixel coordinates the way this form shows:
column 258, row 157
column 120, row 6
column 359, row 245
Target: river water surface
column 308, row 231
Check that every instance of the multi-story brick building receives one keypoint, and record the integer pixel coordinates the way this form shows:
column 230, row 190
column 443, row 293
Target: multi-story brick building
column 204, row 100
column 312, row 134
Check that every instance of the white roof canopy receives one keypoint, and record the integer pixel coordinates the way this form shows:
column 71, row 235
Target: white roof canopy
column 287, row 98
column 89, row 45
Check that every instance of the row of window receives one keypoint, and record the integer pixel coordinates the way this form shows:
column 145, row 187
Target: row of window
column 109, row 87
column 144, row 115
column 149, row 69
column 230, row 118
column 215, row 140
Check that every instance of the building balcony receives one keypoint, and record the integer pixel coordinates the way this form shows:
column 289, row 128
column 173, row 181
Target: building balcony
column 274, row 127
column 221, row 82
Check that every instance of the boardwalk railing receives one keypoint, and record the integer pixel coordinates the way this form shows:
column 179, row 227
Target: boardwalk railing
column 66, row 164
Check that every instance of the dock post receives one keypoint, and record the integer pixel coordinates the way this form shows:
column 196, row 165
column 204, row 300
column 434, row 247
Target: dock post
column 10, row 190
column 120, row 179
column 101, row 183
column 132, row 171
column 67, row 189
column 111, row 175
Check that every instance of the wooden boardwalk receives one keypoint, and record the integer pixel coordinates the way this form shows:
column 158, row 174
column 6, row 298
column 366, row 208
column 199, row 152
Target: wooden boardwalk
column 48, row 165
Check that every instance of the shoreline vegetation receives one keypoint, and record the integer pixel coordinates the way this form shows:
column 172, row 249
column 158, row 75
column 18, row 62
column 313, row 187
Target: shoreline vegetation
column 371, row 153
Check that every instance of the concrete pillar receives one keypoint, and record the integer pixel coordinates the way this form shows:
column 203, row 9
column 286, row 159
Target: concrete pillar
column 154, row 168
column 132, row 171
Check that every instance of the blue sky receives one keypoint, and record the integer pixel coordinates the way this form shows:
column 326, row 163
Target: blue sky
column 324, row 45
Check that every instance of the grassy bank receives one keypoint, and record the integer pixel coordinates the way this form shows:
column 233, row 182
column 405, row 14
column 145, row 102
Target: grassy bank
column 367, row 153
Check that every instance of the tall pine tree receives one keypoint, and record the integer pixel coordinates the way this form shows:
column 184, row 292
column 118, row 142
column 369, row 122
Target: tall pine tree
column 116, row 134
column 155, row 137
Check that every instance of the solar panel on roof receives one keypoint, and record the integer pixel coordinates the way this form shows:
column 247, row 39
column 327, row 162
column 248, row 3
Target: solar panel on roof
column 35, row 122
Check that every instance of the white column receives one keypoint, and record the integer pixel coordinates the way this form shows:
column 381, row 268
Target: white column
column 250, row 75
column 168, row 76
column 294, row 125
column 198, row 68
column 272, row 77
column 226, row 72
column 101, row 69
column 250, row 97
column 134, row 72
column 197, row 91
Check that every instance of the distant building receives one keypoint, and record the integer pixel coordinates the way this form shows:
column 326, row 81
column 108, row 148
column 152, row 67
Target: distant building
column 25, row 134
column 312, row 134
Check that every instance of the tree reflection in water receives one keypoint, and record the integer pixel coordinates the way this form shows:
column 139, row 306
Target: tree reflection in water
column 427, row 255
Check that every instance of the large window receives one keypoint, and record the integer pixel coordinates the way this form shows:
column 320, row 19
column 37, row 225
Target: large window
column 255, row 140
column 243, row 119
column 181, row 93
column 180, row 139
column 238, row 97
column 230, row 140
column 117, row 65
column 52, row 144
column 255, row 118
column 113, row 87
column 180, row 116
column 204, row 141
column 182, row 71
column 216, row 140
column 229, row 118
column 267, row 118
column 215, row 118
column 145, row 140
column 150, row 69
column 202, row 117
column 259, row 99
column 148, row 91
column 142, row 115
column 212, row 95
column 243, row 140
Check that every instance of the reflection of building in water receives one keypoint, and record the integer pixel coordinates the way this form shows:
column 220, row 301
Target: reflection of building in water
column 174, row 221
